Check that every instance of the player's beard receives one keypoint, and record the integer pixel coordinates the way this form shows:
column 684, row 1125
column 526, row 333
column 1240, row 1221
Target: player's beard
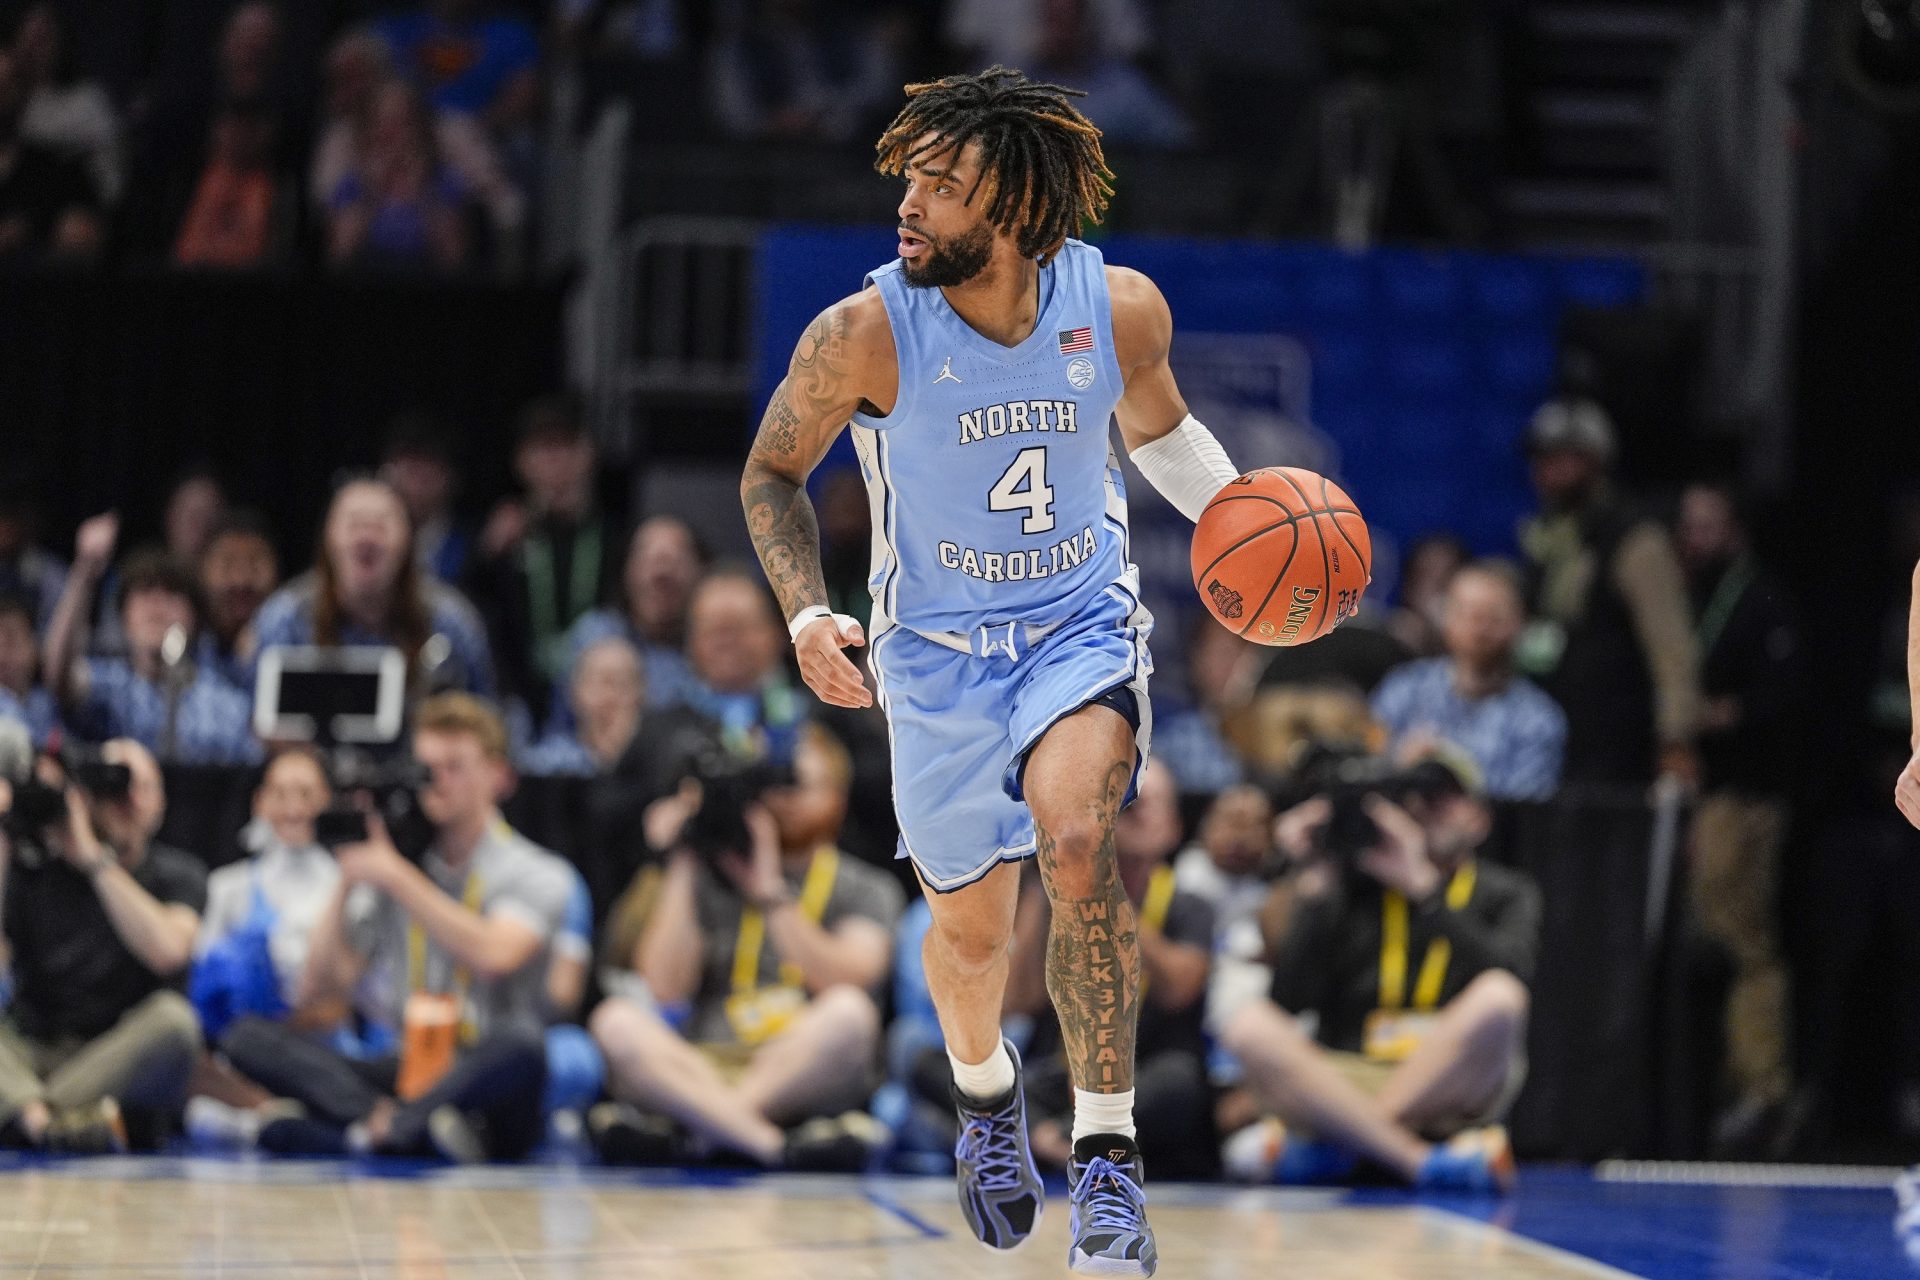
column 948, row 263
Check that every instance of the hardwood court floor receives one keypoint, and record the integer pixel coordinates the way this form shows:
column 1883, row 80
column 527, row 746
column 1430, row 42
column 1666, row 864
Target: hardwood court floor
column 166, row 1220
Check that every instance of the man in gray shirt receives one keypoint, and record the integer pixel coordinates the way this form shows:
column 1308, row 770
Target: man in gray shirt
column 452, row 953
column 756, row 1023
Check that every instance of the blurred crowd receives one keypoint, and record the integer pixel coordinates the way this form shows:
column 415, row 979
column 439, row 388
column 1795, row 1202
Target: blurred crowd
column 355, row 136
column 1335, row 981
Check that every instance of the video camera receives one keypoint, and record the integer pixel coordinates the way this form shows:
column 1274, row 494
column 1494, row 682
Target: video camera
column 39, row 806
column 350, row 703
column 1347, row 778
column 729, row 786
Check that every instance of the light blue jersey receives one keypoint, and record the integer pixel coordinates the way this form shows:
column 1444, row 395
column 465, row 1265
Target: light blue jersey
column 996, row 495
column 1003, row 598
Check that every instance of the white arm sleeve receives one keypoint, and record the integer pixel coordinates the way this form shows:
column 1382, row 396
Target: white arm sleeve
column 1187, row 465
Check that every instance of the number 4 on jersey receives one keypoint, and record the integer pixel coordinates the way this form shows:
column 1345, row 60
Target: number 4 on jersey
column 1030, row 468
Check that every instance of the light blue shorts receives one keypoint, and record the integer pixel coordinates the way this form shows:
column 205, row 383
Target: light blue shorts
column 962, row 721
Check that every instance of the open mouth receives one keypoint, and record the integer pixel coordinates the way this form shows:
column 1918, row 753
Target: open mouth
column 911, row 245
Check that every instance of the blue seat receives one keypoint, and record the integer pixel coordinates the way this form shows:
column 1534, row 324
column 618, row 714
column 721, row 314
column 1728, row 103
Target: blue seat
column 1438, row 365
column 1336, row 285
column 1521, row 364
column 1512, row 289
column 1422, row 285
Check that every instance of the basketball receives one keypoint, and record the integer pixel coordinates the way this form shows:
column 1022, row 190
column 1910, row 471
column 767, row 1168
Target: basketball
column 1281, row 556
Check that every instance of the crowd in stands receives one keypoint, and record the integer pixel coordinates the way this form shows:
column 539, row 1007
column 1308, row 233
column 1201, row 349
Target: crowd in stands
column 406, row 136
column 1328, row 983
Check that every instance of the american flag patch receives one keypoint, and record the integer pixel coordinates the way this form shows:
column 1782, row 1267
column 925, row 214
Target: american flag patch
column 1072, row 340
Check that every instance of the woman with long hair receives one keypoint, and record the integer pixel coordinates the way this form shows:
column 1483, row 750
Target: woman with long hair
column 366, row 589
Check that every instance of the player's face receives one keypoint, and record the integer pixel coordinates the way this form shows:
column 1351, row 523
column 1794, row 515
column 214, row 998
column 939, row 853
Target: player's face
column 944, row 240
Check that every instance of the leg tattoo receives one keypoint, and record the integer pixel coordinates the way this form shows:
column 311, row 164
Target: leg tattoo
column 1093, row 953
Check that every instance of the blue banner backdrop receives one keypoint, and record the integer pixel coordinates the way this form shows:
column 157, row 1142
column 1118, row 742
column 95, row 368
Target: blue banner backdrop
column 1407, row 376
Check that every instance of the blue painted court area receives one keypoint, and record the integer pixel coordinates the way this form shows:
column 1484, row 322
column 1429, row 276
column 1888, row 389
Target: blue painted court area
column 1683, row 1232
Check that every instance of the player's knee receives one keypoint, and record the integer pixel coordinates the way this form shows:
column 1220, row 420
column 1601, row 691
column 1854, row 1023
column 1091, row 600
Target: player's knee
column 1072, row 850
column 970, row 952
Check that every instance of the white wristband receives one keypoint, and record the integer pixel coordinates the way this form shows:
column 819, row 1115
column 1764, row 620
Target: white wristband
column 806, row 618
column 1187, row 466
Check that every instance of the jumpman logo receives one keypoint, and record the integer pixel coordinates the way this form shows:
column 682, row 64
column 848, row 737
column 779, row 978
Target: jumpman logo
column 946, row 373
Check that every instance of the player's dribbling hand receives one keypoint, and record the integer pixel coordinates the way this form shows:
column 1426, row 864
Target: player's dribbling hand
column 828, row 671
column 1906, row 792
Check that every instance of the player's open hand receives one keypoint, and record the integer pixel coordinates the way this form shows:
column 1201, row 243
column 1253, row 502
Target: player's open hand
column 828, row 671
column 1906, row 792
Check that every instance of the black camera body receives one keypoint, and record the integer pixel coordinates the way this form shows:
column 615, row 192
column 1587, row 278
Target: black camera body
column 389, row 788
column 39, row 806
column 729, row 786
column 1348, row 779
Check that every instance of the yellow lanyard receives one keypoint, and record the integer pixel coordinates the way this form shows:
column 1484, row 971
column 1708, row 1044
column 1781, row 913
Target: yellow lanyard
column 1393, row 947
column 814, row 893
column 470, row 898
column 1153, row 908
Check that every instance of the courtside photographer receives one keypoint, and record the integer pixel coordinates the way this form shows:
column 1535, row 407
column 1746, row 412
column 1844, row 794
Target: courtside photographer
column 1395, row 1029
column 99, row 924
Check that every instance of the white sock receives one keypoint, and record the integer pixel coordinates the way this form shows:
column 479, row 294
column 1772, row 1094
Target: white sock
column 1102, row 1113
column 984, row 1081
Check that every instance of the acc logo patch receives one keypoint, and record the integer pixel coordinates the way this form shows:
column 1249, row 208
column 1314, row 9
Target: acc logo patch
column 1080, row 373
column 1226, row 599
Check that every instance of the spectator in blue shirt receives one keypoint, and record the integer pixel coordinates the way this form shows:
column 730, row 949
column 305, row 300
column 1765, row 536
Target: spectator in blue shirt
column 366, row 589
column 1473, row 699
column 238, row 573
column 606, row 694
column 664, row 561
column 154, row 693
column 22, row 695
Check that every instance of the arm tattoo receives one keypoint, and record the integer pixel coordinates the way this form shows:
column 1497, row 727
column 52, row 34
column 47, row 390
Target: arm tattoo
column 1093, row 958
column 807, row 408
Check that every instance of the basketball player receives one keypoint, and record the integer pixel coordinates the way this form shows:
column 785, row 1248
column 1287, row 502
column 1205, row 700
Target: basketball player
column 1009, row 648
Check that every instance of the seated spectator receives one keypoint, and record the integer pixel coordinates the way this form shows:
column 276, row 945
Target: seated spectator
column 785, row 70
column 1430, row 565
column 261, row 913
column 739, row 660
column 69, row 116
column 1173, row 1106
column 1228, row 866
column 22, row 695
column 767, row 960
column 1515, row 733
column 154, row 693
column 548, row 559
column 253, row 83
column 366, row 589
column 240, row 213
column 358, row 66
column 1129, row 109
column 485, row 65
column 1403, row 1053
column 664, row 562
column 238, row 573
column 49, row 208
column 419, row 465
column 454, row 951
column 400, row 207
column 26, row 570
column 99, row 921
column 607, row 694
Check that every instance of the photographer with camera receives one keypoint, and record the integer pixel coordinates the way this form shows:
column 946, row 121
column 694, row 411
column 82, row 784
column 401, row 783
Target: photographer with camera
column 1398, row 1012
column 454, row 950
column 760, row 950
column 99, row 924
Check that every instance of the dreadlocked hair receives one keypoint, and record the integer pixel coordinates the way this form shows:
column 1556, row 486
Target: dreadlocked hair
column 1040, row 158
